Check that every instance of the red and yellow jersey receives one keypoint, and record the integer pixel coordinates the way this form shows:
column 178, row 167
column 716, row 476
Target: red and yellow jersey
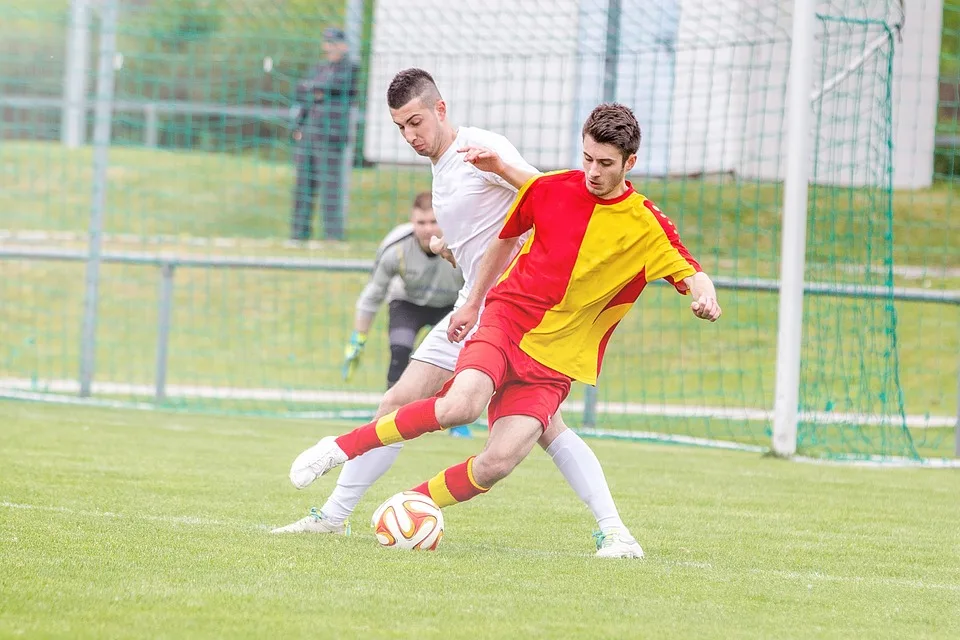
column 581, row 270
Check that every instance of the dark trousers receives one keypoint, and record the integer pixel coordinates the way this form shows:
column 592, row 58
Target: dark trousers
column 406, row 321
column 320, row 166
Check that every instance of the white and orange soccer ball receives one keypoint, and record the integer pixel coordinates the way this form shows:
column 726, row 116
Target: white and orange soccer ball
column 409, row 520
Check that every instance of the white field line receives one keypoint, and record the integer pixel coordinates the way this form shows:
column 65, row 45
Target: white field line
column 810, row 577
column 862, row 461
column 189, row 520
column 372, row 399
column 620, row 434
column 880, row 461
column 911, row 272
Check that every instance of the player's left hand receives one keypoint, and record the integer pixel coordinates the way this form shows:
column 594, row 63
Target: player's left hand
column 482, row 158
column 706, row 308
column 461, row 322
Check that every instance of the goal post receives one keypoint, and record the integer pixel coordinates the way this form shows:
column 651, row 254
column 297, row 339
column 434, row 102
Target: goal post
column 794, row 233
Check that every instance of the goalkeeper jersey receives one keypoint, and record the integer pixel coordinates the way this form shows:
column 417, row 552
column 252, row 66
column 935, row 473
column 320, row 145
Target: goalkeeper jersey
column 404, row 271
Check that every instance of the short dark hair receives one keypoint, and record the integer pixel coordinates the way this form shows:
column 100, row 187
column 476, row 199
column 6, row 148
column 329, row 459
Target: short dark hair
column 332, row 34
column 613, row 123
column 423, row 201
column 410, row 84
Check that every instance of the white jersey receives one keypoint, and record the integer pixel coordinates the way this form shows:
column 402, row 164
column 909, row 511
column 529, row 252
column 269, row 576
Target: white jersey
column 471, row 205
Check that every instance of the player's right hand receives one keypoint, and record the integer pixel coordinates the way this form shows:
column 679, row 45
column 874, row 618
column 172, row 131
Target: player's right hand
column 439, row 247
column 461, row 322
column 352, row 352
column 706, row 308
column 482, row 158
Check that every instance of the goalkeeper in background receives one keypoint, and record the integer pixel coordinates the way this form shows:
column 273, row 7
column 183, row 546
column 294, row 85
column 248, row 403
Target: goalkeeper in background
column 419, row 285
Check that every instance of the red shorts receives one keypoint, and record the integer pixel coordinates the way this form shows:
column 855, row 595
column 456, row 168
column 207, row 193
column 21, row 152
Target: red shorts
column 523, row 386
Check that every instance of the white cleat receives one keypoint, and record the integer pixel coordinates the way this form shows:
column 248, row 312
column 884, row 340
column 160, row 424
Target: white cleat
column 617, row 543
column 316, row 522
column 316, row 461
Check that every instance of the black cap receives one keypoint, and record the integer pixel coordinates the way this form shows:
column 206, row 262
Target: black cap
column 332, row 34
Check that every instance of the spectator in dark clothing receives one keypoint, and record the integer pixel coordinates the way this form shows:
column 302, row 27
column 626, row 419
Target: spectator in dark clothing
column 321, row 134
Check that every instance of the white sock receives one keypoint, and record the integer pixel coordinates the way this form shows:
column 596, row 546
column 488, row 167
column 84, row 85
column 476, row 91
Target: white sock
column 579, row 465
column 355, row 478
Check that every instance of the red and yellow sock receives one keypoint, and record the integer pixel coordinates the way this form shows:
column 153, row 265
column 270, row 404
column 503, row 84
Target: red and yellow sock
column 406, row 423
column 453, row 485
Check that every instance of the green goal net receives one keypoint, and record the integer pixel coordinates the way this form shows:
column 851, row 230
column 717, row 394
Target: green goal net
column 204, row 303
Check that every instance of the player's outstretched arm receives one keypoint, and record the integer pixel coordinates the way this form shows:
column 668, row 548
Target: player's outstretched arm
column 491, row 162
column 362, row 321
column 704, row 305
column 494, row 261
column 367, row 306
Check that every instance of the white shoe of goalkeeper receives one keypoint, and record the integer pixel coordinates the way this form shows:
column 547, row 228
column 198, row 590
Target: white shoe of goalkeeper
column 617, row 543
column 316, row 461
column 316, row 522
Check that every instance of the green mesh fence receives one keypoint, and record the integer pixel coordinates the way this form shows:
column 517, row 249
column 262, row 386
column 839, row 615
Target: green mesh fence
column 201, row 178
column 850, row 343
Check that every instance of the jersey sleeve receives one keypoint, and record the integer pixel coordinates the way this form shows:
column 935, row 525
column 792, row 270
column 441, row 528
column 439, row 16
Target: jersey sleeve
column 668, row 258
column 520, row 215
column 385, row 268
column 510, row 155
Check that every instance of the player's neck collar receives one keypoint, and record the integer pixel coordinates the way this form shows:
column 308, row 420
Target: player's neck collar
column 620, row 198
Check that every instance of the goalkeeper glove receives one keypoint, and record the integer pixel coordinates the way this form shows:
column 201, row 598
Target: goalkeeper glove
column 351, row 353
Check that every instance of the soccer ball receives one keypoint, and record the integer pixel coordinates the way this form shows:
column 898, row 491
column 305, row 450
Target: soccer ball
column 409, row 520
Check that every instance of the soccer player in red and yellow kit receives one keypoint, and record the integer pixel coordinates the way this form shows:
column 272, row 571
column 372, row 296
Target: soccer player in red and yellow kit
column 595, row 245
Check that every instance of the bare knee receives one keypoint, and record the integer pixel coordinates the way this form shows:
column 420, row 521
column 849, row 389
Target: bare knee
column 457, row 408
column 466, row 399
column 418, row 381
column 552, row 431
column 395, row 397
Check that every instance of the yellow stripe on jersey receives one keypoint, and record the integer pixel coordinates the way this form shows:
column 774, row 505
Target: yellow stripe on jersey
column 617, row 238
column 523, row 250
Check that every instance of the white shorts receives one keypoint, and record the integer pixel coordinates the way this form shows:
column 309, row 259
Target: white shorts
column 436, row 348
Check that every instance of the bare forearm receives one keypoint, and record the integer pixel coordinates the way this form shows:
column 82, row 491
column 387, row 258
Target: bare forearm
column 516, row 176
column 705, row 305
column 362, row 321
column 700, row 284
column 494, row 261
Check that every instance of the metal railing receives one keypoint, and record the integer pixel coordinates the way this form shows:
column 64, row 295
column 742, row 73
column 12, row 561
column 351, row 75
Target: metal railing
column 152, row 109
column 168, row 264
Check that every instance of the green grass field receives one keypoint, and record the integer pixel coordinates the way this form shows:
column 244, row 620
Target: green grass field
column 132, row 524
column 124, row 523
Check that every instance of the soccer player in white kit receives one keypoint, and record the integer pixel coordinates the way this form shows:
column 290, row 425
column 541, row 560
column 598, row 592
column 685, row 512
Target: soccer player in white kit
column 470, row 206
